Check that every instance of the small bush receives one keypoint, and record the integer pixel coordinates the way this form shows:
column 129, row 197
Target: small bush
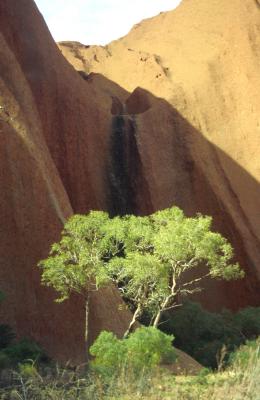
column 147, row 347
column 143, row 350
column 211, row 337
column 109, row 352
column 247, row 322
column 21, row 352
column 28, row 370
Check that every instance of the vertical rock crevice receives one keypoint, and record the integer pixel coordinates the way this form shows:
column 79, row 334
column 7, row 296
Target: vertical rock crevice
column 123, row 151
column 125, row 170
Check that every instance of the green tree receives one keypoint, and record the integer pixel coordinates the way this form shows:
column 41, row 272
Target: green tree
column 76, row 263
column 154, row 260
column 166, row 255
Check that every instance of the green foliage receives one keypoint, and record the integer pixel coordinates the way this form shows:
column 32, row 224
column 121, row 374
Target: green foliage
column 184, row 243
column 21, row 352
column 141, row 277
column 247, row 322
column 160, row 250
column 142, row 351
column 147, row 347
column 197, row 332
column 109, row 352
column 25, row 349
column 149, row 258
column 76, row 263
column 238, row 381
column 28, row 370
column 11, row 354
column 243, row 355
column 207, row 336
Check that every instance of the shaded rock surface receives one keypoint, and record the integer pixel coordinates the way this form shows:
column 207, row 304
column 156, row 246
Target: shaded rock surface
column 51, row 165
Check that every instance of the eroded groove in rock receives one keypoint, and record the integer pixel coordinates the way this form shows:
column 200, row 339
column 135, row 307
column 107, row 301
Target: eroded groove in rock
column 213, row 86
column 125, row 172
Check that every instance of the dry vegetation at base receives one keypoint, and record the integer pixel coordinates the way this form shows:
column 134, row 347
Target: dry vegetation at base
column 240, row 381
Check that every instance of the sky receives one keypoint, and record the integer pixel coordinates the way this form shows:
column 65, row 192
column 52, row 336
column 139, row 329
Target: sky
column 98, row 21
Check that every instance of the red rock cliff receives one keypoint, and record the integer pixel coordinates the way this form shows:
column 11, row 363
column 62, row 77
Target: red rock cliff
column 186, row 107
column 196, row 118
column 51, row 164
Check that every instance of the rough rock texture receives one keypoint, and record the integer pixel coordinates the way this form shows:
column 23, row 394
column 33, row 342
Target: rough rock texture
column 194, row 117
column 180, row 125
column 51, row 164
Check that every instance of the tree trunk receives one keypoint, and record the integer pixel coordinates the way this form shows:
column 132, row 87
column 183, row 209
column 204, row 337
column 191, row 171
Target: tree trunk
column 86, row 323
column 157, row 319
column 135, row 316
column 161, row 310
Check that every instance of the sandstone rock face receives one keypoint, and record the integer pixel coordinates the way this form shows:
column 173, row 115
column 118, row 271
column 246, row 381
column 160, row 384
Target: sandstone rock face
column 166, row 115
column 193, row 112
column 51, row 165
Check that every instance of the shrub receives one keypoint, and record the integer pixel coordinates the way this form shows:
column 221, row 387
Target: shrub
column 25, row 349
column 147, row 347
column 209, row 337
column 141, row 351
column 109, row 352
column 247, row 322
column 197, row 332
column 28, row 370
column 21, row 352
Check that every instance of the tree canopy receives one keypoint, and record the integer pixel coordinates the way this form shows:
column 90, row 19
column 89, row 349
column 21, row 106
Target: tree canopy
column 154, row 260
column 77, row 262
column 166, row 255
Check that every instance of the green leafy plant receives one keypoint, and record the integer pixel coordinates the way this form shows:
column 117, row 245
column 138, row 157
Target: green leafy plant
column 162, row 254
column 28, row 369
column 21, row 352
column 238, row 381
column 77, row 263
column 154, row 260
column 141, row 351
column 214, row 335
column 243, row 355
column 109, row 353
column 147, row 347
column 247, row 322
